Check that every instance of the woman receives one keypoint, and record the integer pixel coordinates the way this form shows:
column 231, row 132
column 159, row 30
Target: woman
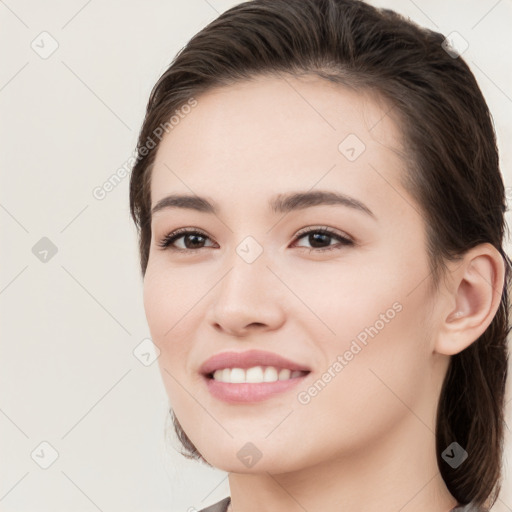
column 321, row 221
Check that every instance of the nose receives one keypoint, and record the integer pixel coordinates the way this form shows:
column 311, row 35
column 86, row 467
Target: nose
column 249, row 298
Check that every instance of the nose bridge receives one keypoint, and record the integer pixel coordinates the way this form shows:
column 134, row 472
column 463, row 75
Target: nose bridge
column 247, row 292
column 249, row 274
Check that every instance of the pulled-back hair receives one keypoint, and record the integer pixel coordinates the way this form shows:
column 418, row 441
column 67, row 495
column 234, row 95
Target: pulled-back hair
column 453, row 170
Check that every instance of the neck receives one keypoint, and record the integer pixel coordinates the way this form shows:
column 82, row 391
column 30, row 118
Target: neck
column 398, row 472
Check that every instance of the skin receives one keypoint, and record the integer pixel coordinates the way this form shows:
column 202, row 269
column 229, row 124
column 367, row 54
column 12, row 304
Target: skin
column 365, row 442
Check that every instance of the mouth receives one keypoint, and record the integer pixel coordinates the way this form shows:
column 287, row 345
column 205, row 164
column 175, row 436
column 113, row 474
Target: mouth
column 250, row 376
column 238, row 388
column 255, row 375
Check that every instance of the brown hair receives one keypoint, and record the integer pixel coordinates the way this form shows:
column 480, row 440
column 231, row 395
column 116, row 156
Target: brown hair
column 454, row 170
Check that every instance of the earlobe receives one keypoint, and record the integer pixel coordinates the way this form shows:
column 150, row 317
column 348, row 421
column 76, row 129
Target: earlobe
column 476, row 287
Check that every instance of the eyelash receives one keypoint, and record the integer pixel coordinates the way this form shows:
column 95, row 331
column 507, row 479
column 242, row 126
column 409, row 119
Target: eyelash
column 168, row 240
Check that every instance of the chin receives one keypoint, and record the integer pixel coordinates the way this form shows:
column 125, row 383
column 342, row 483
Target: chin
column 252, row 458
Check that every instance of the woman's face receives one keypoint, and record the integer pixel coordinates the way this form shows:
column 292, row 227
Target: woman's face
column 352, row 306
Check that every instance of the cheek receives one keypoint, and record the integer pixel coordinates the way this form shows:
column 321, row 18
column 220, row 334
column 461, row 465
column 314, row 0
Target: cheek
column 169, row 300
column 377, row 361
column 372, row 391
column 169, row 295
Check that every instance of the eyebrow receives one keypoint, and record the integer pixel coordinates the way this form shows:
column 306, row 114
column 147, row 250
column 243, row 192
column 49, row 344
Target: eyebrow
column 281, row 203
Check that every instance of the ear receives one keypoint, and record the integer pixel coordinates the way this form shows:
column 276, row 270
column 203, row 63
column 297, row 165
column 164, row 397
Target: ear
column 475, row 286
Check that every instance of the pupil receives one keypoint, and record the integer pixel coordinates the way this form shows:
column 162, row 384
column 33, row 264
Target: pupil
column 194, row 237
column 317, row 237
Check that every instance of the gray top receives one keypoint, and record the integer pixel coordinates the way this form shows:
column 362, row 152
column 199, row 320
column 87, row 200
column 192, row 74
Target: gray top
column 222, row 506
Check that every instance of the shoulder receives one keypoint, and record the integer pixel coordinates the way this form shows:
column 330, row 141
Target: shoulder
column 220, row 506
column 468, row 508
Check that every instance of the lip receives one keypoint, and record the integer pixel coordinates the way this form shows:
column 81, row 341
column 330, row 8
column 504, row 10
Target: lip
column 250, row 392
column 246, row 391
column 248, row 359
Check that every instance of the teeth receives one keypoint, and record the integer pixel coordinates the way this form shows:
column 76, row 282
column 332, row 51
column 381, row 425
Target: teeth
column 284, row 374
column 237, row 375
column 255, row 374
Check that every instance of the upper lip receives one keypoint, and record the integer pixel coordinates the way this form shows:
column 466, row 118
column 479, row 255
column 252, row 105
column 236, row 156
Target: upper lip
column 248, row 359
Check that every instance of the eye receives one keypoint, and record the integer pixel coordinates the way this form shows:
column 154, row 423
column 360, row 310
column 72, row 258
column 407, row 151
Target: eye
column 195, row 239
column 191, row 237
column 321, row 236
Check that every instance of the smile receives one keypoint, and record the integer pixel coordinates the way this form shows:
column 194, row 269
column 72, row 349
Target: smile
column 256, row 374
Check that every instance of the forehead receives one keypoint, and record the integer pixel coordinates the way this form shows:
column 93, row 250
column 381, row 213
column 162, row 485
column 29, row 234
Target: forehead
column 270, row 134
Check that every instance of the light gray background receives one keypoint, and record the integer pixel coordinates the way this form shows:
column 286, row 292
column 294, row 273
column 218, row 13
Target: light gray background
column 70, row 325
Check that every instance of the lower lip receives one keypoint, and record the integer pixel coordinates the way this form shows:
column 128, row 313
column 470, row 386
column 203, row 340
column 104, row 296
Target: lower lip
column 250, row 392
